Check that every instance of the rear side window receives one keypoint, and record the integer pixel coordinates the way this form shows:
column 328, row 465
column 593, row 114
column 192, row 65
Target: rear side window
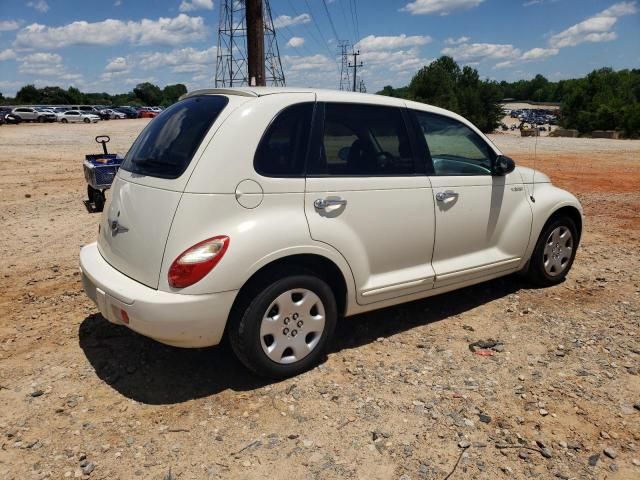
column 364, row 140
column 283, row 148
column 166, row 146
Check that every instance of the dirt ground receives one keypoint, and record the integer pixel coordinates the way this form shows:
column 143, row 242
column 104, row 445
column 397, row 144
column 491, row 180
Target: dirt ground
column 400, row 396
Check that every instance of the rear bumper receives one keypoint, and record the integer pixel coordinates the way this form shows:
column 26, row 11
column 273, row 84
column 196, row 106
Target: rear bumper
column 171, row 318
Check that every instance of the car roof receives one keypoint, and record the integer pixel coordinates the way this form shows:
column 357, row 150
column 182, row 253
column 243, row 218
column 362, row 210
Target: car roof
column 323, row 95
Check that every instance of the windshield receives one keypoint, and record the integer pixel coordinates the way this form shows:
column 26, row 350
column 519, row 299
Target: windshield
column 166, row 146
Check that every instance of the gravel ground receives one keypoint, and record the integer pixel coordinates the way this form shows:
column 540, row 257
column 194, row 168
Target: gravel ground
column 400, row 395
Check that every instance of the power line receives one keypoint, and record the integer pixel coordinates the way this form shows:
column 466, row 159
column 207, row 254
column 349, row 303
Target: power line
column 354, row 14
column 333, row 27
column 313, row 19
column 346, row 22
column 309, row 31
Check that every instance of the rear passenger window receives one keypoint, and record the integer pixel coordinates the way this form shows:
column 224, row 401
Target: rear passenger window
column 283, row 148
column 364, row 140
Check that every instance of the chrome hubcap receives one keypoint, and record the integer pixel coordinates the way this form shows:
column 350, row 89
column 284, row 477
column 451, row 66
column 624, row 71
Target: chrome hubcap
column 557, row 251
column 292, row 326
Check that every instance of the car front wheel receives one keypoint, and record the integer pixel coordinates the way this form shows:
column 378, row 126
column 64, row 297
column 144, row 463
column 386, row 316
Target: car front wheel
column 86, row 120
column 554, row 253
column 284, row 328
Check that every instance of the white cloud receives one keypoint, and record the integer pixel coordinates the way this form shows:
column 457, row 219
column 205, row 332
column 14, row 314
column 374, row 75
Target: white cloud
column 41, row 63
column 8, row 25
column 295, row 42
column 180, row 59
column 372, row 43
column 7, row 54
column 456, row 41
column 481, row 51
column 594, row 29
column 117, row 3
column 538, row 2
column 41, row 5
column 136, row 81
column 190, row 6
column 287, row 21
column 319, row 62
column 439, row 7
column 118, row 64
column 538, row 53
column 41, row 57
column 172, row 31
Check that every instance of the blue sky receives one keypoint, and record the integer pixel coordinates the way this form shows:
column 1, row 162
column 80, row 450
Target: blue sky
column 110, row 45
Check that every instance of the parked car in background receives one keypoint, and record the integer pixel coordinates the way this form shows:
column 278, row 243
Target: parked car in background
column 31, row 114
column 146, row 112
column 112, row 114
column 335, row 203
column 128, row 111
column 76, row 116
column 46, row 114
column 8, row 116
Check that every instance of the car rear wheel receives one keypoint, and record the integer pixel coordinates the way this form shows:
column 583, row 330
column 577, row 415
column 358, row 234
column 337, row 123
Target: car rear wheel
column 554, row 253
column 86, row 120
column 64, row 120
column 284, row 328
column 40, row 119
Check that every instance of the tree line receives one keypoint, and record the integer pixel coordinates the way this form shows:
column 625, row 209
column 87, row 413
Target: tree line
column 144, row 94
column 602, row 100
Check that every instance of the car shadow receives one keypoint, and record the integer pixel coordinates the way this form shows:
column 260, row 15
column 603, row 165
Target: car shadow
column 152, row 373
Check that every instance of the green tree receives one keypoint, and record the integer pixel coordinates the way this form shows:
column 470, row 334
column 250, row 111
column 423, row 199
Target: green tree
column 171, row 94
column 148, row 93
column 28, row 94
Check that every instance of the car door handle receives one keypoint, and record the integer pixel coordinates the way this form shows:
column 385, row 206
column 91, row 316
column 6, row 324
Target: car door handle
column 322, row 203
column 442, row 196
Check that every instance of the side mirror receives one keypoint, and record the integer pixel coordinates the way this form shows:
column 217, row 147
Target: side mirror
column 503, row 165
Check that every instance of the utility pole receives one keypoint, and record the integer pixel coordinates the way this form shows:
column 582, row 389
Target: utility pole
column 255, row 43
column 355, row 66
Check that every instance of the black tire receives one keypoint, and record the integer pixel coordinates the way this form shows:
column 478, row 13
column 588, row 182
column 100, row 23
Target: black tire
column 64, row 120
column 246, row 317
column 86, row 120
column 40, row 119
column 537, row 273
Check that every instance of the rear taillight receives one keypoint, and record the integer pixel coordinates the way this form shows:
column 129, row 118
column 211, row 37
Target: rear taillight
column 195, row 262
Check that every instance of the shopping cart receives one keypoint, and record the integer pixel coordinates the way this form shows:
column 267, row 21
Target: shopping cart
column 99, row 171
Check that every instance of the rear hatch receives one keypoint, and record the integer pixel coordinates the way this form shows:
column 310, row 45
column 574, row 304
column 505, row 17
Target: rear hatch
column 146, row 192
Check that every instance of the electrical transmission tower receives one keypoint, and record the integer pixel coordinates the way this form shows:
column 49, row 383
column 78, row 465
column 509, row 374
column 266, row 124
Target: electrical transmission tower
column 343, row 49
column 362, row 88
column 232, row 59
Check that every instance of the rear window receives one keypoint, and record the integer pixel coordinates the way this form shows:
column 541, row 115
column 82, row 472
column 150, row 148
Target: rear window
column 166, row 146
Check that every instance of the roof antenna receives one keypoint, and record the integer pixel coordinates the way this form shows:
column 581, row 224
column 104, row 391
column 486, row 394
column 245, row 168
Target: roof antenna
column 535, row 154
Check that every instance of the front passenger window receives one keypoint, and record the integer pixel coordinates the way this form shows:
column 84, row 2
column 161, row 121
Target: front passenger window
column 455, row 148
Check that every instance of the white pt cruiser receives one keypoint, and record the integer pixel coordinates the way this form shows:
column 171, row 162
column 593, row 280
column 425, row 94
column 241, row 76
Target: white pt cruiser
column 267, row 214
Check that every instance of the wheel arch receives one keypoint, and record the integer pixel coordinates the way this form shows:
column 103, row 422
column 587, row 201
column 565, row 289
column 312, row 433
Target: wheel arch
column 319, row 265
column 573, row 213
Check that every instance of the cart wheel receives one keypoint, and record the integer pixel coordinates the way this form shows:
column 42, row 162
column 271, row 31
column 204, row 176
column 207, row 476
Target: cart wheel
column 90, row 193
column 99, row 200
